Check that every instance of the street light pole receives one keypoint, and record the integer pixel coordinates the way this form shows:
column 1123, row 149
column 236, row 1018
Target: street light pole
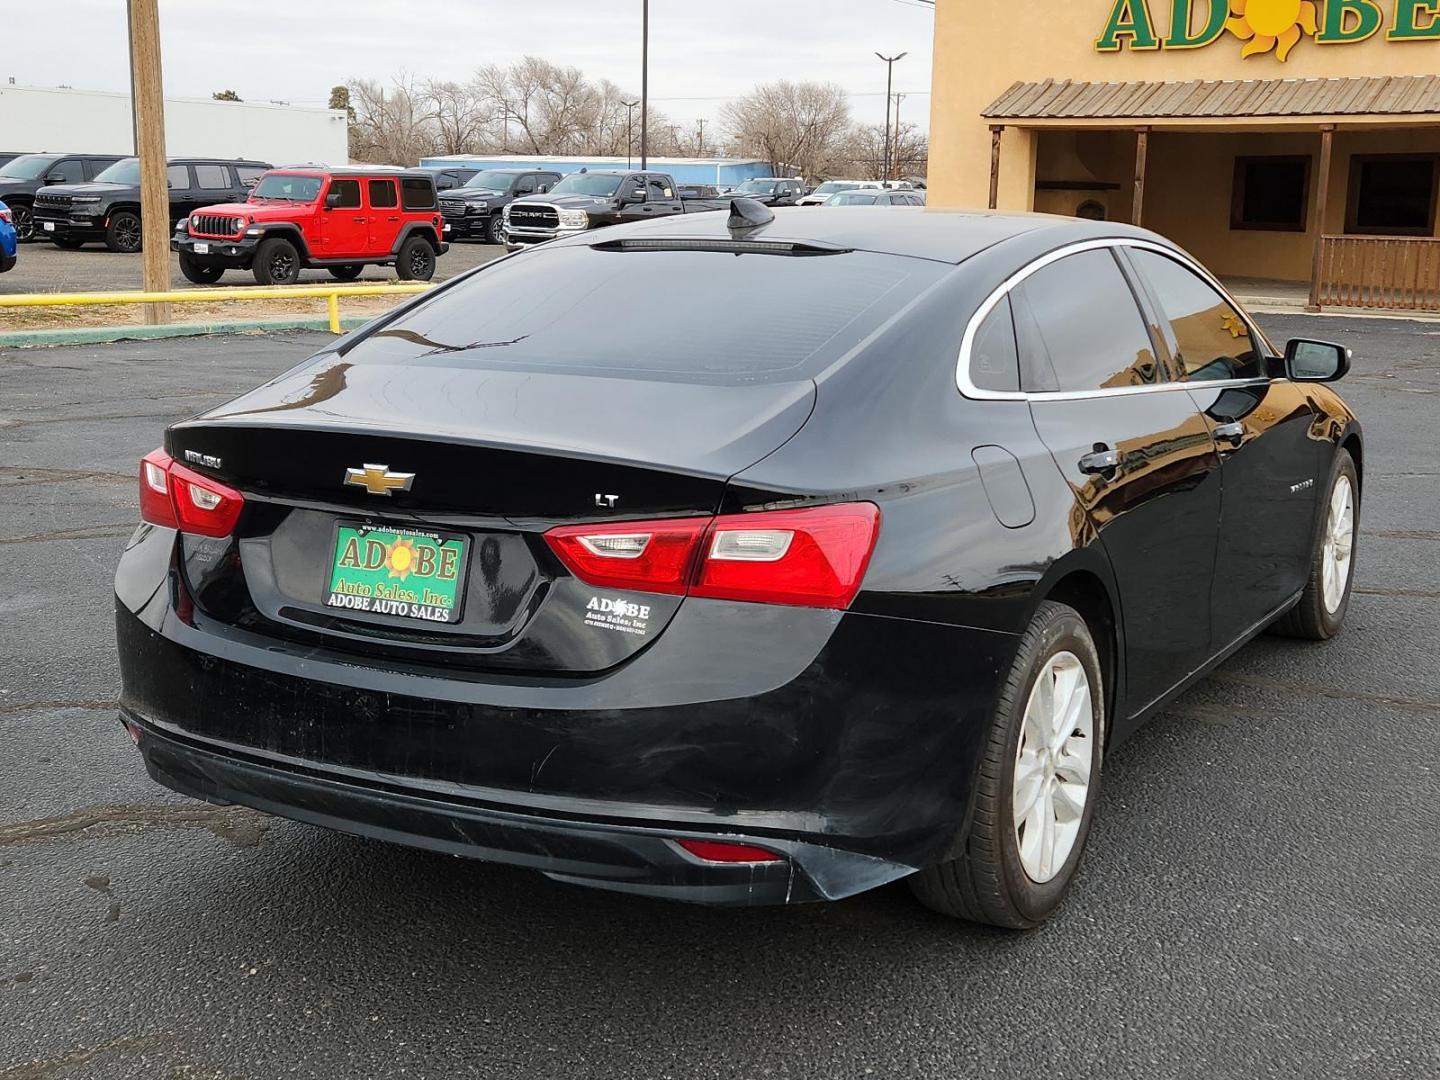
column 645, row 85
column 889, row 82
column 701, row 151
column 629, row 131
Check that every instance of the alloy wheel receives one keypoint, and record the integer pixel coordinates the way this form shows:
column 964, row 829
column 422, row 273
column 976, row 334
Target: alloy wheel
column 127, row 234
column 1053, row 766
column 419, row 263
column 24, row 221
column 1339, row 544
column 282, row 266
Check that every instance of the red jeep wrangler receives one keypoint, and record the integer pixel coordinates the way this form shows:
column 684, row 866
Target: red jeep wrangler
column 334, row 219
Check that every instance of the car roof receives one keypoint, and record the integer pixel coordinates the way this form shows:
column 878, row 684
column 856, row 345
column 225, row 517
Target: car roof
column 354, row 170
column 921, row 232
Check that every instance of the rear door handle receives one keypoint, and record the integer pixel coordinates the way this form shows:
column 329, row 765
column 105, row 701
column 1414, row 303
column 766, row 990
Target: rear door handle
column 1102, row 460
column 1233, row 433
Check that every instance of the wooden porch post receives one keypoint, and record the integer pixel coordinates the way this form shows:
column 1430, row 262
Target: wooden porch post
column 1317, row 214
column 1142, row 152
column 996, row 130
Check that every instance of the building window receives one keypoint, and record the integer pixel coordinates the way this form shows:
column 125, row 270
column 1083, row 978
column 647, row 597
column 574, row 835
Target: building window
column 1392, row 194
column 1271, row 194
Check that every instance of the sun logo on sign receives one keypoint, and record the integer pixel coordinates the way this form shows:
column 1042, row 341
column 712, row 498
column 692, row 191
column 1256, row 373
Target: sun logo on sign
column 1272, row 24
column 401, row 559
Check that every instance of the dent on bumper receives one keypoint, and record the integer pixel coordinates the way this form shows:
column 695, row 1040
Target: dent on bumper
column 645, row 861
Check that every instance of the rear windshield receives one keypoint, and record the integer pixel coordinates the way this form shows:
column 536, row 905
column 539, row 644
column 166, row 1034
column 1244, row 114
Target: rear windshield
column 681, row 316
column 854, row 198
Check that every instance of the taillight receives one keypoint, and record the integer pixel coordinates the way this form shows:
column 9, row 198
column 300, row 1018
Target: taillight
column 179, row 498
column 5, row 214
column 803, row 558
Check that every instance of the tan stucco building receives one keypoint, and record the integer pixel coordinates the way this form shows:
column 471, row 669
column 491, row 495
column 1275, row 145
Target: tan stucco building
column 1284, row 140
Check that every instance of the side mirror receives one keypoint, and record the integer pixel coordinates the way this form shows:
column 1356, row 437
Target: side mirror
column 55, row 178
column 1316, row 361
column 636, row 196
column 332, row 201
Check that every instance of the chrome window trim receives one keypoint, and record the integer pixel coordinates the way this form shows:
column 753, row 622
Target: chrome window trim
column 972, row 329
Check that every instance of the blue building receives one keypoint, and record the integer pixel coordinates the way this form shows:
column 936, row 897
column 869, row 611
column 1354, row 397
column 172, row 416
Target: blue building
column 722, row 172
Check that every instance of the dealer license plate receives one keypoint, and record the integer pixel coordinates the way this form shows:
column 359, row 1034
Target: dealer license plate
column 48, row 226
column 203, row 249
column 408, row 574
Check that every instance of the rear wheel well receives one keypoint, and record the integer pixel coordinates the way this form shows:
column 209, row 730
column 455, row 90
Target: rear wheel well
column 1085, row 593
column 1352, row 444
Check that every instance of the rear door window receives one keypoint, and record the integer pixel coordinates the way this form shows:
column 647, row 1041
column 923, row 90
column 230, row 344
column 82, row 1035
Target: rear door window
column 250, row 174
column 212, row 177
column 1089, row 324
column 660, row 189
column 382, row 194
column 417, row 193
column 178, row 177
column 766, row 318
column 1209, row 338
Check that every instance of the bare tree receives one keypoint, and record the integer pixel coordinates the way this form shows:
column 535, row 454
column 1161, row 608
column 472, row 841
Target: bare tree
column 461, row 117
column 861, row 154
column 394, row 124
column 790, row 124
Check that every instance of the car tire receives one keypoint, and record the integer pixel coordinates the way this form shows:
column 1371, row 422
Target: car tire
column 201, row 273
column 416, row 261
column 1320, row 614
column 67, row 243
column 277, row 262
column 495, row 229
column 123, row 232
column 22, row 216
column 349, row 272
column 1016, row 875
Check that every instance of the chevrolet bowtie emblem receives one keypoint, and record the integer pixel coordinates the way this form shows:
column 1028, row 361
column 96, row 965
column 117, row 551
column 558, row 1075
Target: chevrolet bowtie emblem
column 378, row 479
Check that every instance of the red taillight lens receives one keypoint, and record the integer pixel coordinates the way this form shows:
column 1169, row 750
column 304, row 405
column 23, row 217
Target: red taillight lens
column 179, row 498
column 5, row 214
column 805, row 558
column 647, row 556
column 717, row 851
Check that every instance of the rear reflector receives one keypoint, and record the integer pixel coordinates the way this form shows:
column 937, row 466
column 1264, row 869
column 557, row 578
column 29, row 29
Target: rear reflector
column 179, row 498
column 802, row 558
column 716, row 851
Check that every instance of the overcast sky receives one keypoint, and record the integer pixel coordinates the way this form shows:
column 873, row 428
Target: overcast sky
column 295, row 50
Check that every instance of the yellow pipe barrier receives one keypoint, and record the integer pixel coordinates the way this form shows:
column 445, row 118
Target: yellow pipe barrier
column 330, row 293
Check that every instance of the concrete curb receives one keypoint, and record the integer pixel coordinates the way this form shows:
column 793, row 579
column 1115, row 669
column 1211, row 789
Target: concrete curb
column 103, row 335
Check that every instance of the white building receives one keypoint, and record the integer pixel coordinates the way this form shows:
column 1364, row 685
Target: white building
column 34, row 119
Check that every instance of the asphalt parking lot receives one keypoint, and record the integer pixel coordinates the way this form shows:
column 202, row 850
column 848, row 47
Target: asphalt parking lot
column 45, row 268
column 1261, row 898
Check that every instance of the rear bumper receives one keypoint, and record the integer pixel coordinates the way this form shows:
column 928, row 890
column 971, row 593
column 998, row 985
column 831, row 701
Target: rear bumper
column 847, row 743
column 644, row 861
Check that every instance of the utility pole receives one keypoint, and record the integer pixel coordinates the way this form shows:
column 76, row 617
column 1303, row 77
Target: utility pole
column 629, row 131
column 889, row 62
column 645, row 85
column 148, row 102
column 895, row 157
column 701, row 151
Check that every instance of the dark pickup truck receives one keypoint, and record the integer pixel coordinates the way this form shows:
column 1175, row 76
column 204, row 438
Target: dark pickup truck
column 592, row 199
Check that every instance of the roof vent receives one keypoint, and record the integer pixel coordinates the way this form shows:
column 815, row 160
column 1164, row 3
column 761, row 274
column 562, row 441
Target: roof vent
column 748, row 214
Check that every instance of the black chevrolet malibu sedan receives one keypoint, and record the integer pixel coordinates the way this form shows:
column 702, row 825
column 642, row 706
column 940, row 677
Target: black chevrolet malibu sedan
column 747, row 559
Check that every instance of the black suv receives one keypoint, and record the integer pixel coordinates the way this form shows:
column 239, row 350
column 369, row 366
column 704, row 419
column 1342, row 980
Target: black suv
column 24, row 175
column 476, row 208
column 109, row 208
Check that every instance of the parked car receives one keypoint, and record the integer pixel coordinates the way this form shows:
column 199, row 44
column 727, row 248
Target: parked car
column 478, row 208
column 557, row 567
column 340, row 220
column 9, row 244
column 21, row 178
column 108, row 209
column 771, row 190
column 594, row 199
column 7, row 156
column 698, row 191
column 448, row 177
column 876, row 197
column 822, row 193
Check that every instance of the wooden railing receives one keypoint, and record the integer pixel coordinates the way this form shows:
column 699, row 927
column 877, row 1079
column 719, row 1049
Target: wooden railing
column 1396, row 272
